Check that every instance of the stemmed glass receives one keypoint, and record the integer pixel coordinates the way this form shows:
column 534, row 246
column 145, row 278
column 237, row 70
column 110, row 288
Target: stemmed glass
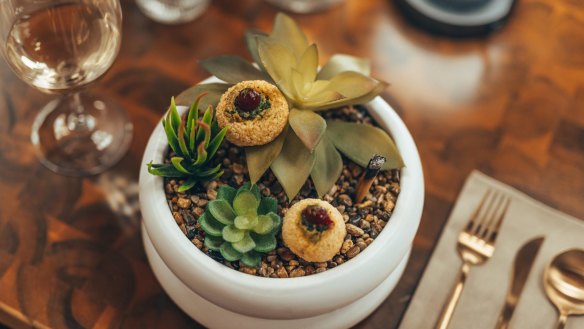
column 59, row 47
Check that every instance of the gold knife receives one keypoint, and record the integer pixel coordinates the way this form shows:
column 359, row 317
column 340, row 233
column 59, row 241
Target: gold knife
column 522, row 266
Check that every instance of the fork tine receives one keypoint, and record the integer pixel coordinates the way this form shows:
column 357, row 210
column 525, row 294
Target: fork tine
column 491, row 214
column 494, row 232
column 473, row 223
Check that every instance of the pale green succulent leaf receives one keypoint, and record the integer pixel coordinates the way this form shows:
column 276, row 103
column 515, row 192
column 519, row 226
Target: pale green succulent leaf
column 297, row 87
column 182, row 143
column 221, row 211
column 276, row 59
column 316, row 87
column 188, row 184
column 380, row 86
column 213, row 90
column 204, row 127
column 340, row 63
column 192, row 134
column 308, row 126
column 245, row 203
column 327, row 166
column 171, row 136
column 251, row 258
column 276, row 222
column 210, row 225
column 255, row 189
column 352, row 84
column 173, row 114
column 246, row 222
column 259, row 158
column 209, row 172
column 216, row 142
column 164, row 170
column 264, row 243
column 323, row 99
column 245, row 187
column 287, row 32
column 294, row 164
column 176, row 162
column 229, row 253
column 264, row 224
column 268, row 204
column 226, row 193
column 192, row 118
column 232, row 234
column 251, row 37
column 213, row 243
column 308, row 65
column 245, row 244
column 232, row 69
column 360, row 142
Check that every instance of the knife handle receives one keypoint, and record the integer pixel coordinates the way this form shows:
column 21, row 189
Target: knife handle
column 448, row 310
column 505, row 316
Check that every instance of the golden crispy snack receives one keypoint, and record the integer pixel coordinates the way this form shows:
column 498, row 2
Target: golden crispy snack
column 258, row 128
column 315, row 242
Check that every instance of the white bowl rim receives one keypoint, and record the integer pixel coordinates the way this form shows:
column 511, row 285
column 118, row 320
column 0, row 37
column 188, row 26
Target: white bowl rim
column 403, row 222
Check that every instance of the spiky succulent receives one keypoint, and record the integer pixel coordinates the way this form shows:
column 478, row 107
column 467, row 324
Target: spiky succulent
column 194, row 142
column 241, row 224
column 310, row 146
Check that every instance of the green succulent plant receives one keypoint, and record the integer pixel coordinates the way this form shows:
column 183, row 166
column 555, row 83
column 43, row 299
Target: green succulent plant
column 310, row 145
column 241, row 224
column 194, row 142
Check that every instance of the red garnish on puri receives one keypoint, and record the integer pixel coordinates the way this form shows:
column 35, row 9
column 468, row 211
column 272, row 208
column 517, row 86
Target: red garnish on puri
column 248, row 100
column 316, row 216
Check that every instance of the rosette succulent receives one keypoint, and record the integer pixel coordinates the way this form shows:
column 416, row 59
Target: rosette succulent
column 241, row 224
column 194, row 142
column 311, row 145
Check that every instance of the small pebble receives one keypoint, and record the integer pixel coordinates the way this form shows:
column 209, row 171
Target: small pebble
column 211, row 194
column 248, row 270
column 353, row 252
column 354, row 230
column 198, row 211
column 285, row 254
column 281, row 273
column 297, row 272
column 345, row 199
column 347, row 244
column 198, row 243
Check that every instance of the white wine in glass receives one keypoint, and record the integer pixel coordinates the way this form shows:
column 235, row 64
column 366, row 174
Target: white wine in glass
column 59, row 47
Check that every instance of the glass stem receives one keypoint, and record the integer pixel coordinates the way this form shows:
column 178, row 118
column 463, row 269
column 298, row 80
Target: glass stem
column 77, row 120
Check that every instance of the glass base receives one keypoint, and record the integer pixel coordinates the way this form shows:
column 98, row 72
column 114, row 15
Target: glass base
column 81, row 135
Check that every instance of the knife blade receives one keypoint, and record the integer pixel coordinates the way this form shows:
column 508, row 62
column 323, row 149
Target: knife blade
column 521, row 267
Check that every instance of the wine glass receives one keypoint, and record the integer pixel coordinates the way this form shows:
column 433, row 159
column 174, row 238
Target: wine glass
column 60, row 47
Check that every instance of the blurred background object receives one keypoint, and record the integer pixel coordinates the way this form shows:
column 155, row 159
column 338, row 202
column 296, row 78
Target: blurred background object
column 172, row 11
column 304, row 6
column 458, row 17
column 59, row 48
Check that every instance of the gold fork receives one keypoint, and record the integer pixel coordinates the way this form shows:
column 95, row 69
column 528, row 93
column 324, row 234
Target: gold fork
column 476, row 244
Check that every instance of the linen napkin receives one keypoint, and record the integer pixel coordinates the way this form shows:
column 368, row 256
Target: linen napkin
column 487, row 284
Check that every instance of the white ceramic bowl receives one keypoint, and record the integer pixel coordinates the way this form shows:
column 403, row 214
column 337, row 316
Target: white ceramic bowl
column 179, row 265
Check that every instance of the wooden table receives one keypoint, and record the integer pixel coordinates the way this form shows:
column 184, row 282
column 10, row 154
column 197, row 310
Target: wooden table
column 510, row 105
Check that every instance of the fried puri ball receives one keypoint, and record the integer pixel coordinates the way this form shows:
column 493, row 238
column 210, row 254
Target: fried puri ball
column 255, row 111
column 314, row 230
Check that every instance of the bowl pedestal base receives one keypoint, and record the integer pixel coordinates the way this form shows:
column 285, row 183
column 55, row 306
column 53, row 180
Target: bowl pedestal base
column 213, row 316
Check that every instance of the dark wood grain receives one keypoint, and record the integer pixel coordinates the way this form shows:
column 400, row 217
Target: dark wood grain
column 511, row 105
